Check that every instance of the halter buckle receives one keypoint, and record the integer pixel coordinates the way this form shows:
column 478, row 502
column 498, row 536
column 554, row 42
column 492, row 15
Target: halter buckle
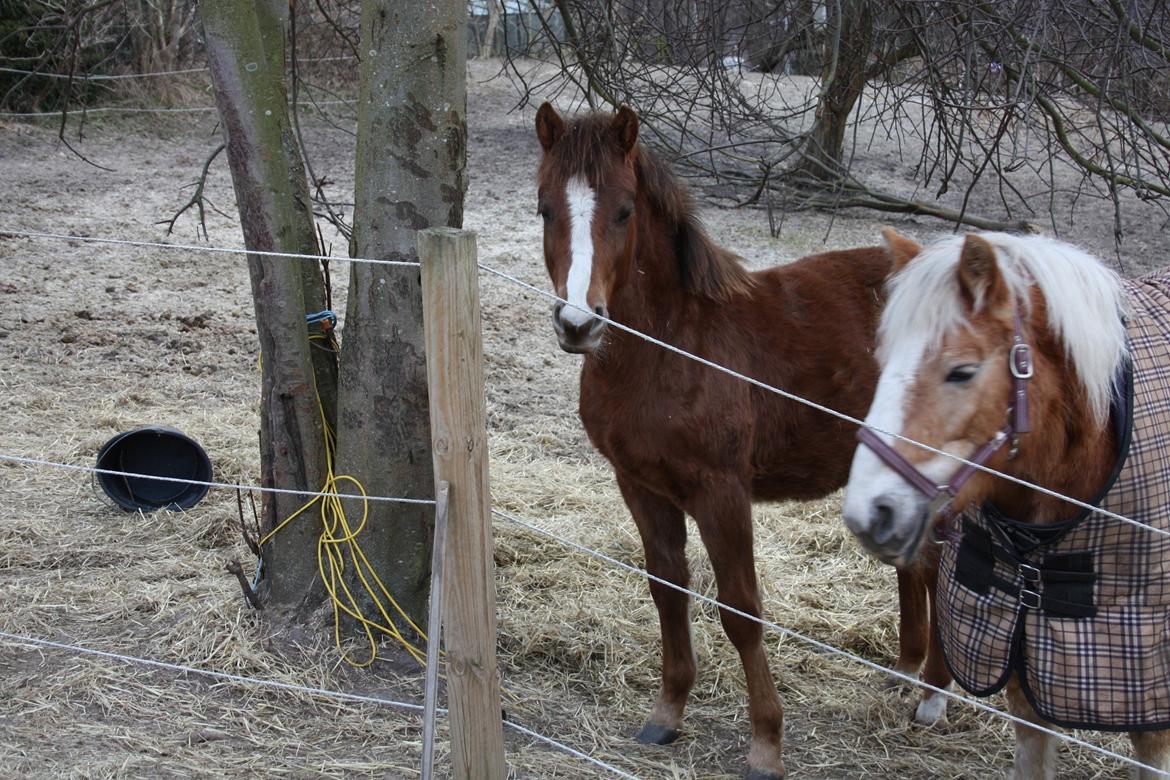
column 1020, row 361
column 941, row 501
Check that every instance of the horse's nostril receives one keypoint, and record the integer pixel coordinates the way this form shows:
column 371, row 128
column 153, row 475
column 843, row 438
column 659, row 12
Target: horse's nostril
column 599, row 310
column 881, row 526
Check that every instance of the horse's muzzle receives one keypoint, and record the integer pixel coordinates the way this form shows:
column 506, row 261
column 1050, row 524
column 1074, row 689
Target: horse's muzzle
column 892, row 531
column 579, row 335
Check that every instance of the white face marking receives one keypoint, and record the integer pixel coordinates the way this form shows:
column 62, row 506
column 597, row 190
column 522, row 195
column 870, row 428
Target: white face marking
column 869, row 476
column 870, row 479
column 581, row 200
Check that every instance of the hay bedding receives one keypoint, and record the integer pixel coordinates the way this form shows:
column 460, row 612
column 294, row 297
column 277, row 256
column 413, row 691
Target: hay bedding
column 95, row 340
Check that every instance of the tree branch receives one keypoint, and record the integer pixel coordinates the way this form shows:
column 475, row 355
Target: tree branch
column 196, row 198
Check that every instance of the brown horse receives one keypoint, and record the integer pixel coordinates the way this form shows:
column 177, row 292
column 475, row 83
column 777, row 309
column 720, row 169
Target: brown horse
column 1030, row 356
column 621, row 240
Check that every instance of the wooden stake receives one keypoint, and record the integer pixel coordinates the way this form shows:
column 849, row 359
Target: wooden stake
column 459, row 444
column 434, row 631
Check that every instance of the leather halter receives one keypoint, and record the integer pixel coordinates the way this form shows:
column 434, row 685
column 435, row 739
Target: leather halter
column 942, row 496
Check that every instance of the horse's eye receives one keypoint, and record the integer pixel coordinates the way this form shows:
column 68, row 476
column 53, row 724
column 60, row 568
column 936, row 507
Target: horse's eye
column 545, row 212
column 963, row 373
column 623, row 215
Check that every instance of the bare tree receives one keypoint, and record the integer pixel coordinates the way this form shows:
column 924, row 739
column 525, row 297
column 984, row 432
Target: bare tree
column 372, row 410
column 43, row 40
column 973, row 87
column 246, row 54
column 411, row 155
column 1036, row 85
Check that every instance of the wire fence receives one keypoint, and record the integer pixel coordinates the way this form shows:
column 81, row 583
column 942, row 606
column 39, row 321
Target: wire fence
column 821, row 646
column 817, row 644
column 86, row 110
column 632, row 331
column 259, row 682
column 145, row 75
column 101, row 76
column 6, row 458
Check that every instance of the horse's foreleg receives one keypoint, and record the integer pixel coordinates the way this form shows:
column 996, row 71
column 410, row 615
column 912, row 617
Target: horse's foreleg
column 662, row 527
column 1153, row 749
column 932, row 708
column 1035, row 750
column 913, row 625
column 723, row 514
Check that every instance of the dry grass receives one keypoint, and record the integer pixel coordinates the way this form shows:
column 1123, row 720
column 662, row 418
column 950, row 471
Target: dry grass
column 96, row 340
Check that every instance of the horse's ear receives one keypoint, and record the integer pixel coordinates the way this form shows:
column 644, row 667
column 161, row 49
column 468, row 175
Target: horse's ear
column 900, row 249
column 549, row 125
column 625, row 128
column 982, row 285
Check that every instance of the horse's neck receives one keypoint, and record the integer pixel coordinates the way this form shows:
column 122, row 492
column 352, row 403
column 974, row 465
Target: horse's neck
column 650, row 297
column 1065, row 453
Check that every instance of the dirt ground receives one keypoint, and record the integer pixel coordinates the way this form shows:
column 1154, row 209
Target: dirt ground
column 98, row 339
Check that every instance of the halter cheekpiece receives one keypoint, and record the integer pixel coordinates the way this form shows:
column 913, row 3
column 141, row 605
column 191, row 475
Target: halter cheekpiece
column 941, row 497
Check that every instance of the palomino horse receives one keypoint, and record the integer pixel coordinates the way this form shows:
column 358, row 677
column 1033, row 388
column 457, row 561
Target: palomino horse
column 621, row 240
column 1030, row 357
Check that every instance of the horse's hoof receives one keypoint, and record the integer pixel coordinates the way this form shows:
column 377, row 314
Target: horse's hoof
column 653, row 734
column 762, row 774
column 932, row 711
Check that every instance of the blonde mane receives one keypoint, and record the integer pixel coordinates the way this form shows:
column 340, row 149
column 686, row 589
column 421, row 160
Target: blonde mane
column 1084, row 300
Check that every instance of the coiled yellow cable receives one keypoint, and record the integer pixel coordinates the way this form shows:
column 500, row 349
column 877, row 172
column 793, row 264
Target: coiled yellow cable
column 339, row 542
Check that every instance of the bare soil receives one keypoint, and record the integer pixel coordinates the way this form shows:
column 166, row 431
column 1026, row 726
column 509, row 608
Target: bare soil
column 98, row 339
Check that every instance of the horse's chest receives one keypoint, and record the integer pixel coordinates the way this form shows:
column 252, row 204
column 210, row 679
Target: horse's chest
column 664, row 441
column 632, row 434
column 1085, row 618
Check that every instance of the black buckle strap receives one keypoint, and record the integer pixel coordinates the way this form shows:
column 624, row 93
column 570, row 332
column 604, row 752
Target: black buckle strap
column 1030, row 599
column 1060, row 586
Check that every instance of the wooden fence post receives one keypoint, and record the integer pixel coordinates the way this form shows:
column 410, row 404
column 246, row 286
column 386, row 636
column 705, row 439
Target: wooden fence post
column 454, row 344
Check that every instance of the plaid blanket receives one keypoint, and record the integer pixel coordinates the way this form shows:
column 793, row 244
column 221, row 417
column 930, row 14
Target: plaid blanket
column 1080, row 609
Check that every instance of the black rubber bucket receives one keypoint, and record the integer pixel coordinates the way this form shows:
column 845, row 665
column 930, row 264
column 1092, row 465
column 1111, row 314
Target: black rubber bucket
column 158, row 452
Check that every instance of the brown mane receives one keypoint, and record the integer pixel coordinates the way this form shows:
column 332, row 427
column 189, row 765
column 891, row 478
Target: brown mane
column 706, row 269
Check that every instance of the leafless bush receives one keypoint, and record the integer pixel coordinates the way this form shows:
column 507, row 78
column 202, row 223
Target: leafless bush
column 1033, row 85
column 72, row 39
column 79, row 40
column 975, row 89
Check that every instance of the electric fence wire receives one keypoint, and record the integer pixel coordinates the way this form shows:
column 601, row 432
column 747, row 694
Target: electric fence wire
column 293, row 688
column 822, row 646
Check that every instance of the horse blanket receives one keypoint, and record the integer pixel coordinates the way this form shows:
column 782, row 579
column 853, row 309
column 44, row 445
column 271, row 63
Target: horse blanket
column 1080, row 609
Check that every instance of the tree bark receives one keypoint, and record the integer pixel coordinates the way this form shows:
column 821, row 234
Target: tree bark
column 849, row 40
column 411, row 155
column 273, row 19
column 245, row 51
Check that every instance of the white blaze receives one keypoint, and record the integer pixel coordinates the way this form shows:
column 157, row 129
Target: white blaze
column 869, row 476
column 581, row 200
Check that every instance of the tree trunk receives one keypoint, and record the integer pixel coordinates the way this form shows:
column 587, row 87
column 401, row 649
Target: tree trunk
column 411, row 154
column 245, row 51
column 849, row 41
column 487, row 47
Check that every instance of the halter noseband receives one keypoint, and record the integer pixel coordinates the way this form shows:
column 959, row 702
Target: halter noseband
column 941, row 496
